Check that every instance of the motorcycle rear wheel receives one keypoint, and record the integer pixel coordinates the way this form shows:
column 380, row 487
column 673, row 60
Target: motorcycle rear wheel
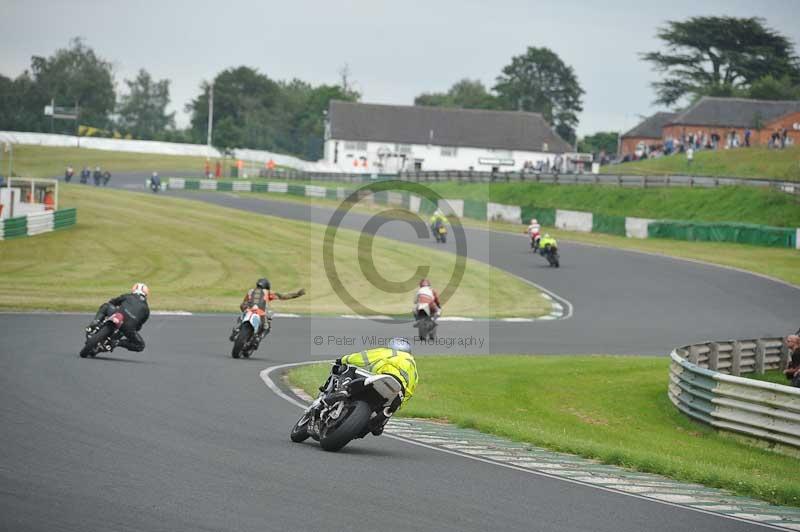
column 245, row 332
column 90, row 349
column 352, row 426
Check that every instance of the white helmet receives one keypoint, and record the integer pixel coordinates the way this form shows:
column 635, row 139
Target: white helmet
column 534, row 221
column 140, row 289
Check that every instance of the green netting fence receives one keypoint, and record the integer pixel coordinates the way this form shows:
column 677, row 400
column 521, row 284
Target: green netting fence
column 760, row 235
column 609, row 224
column 544, row 215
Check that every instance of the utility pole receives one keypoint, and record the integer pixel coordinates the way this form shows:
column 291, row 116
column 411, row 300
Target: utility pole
column 210, row 112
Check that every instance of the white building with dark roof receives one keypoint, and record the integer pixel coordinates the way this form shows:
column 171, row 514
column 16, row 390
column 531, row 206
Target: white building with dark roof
column 392, row 138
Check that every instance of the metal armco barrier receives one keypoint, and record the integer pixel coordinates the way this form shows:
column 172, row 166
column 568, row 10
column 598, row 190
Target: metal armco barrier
column 704, row 383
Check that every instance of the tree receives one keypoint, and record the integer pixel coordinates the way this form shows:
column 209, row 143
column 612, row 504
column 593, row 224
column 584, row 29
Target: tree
column 466, row 94
column 771, row 88
column 718, row 56
column 142, row 112
column 601, row 141
column 76, row 75
column 22, row 105
column 540, row 81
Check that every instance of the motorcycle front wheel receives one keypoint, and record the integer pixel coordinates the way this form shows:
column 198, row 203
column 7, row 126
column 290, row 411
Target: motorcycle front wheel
column 89, row 350
column 300, row 430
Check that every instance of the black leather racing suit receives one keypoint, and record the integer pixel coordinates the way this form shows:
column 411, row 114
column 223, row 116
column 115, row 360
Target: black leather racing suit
column 136, row 312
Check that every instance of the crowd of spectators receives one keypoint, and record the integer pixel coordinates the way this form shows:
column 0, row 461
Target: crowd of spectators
column 792, row 371
column 705, row 140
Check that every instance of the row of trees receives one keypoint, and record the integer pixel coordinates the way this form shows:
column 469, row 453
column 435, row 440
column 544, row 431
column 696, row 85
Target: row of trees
column 251, row 110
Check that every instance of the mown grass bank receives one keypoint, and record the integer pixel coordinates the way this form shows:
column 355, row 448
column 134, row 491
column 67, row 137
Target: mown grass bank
column 611, row 408
column 200, row 257
column 755, row 162
column 48, row 161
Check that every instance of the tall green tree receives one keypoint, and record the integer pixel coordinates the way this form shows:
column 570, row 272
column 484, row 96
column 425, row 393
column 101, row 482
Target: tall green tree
column 466, row 94
column 718, row 56
column 76, row 75
column 143, row 110
column 772, row 88
column 540, row 81
column 601, row 141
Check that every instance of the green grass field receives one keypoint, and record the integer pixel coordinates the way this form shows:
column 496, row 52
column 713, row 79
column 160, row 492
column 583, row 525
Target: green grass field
column 200, row 257
column 46, row 161
column 611, row 408
column 759, row 163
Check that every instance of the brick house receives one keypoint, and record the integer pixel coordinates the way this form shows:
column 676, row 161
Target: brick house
column 646, row 136
column 729, row 118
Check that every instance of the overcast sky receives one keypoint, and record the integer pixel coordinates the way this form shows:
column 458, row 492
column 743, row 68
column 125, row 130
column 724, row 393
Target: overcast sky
column 395, row 50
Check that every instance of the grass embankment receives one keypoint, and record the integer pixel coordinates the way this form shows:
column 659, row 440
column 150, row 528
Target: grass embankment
column 48, row 161
column 611, row 408
column 755, row 162
column 200, row 257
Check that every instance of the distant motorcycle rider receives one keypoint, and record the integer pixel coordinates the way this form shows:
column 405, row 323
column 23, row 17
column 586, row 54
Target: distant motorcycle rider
column 534, row 231
column 395, row 360
column 136, row 311
column 437, row 220
column 426, row 294
column 547, row 243
column 259, row 298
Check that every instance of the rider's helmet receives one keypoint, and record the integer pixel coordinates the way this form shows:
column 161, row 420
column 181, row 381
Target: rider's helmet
column 155, row 174
column 140, row 289
column 547, row 235
column 424, row 282
column 534, row 221
column 400, row 344
column 263, row 283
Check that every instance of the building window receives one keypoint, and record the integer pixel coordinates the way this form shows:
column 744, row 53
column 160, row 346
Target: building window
column 355, row 146
column 449, row 151
column 403, row 149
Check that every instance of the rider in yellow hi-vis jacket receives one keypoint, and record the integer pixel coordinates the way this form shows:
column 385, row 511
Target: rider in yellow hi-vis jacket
column 397, row 362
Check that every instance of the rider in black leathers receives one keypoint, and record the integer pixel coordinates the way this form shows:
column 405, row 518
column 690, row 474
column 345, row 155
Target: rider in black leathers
column 136, row 311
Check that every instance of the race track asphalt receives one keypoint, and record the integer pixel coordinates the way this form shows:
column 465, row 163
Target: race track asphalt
column 182, row 437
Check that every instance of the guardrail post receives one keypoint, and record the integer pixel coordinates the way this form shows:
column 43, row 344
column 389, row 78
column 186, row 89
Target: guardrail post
column 694, row 355
column 736, row 358
column 644, row 181
column 761, row 353
column 713, row 356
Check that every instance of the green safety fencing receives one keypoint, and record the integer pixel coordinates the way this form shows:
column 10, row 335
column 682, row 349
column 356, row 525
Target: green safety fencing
column 760, row 235
column 545, row 216
column 259, row 187
column 475, row 209
column 225, row 186
column 65, row 218
column 297, row 190
column 426, row 206
column 15, row 227
column 331, row 193
column 609, row 224
column 191, row 185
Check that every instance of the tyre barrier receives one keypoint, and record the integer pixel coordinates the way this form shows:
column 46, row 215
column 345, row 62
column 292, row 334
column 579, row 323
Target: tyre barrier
column 705, row 384
column 38, row 223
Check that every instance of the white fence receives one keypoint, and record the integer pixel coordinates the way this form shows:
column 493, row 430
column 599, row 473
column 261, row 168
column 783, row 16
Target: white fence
column 705, row 385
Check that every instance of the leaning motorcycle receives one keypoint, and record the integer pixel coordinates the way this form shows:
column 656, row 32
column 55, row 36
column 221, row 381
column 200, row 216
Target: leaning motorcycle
column 351, row 405
column 535, row 238
column 425, row 324
column 103, row 337
column 247, row 340
column 551, row 254
column 440, row 233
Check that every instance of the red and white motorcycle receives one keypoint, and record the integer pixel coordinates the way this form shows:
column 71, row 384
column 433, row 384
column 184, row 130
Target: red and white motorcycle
column 426, row 321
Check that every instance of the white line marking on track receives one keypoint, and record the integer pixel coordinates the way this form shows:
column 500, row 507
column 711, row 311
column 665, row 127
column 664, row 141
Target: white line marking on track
column 171, row 313
column 266, row 376
column 455, row 318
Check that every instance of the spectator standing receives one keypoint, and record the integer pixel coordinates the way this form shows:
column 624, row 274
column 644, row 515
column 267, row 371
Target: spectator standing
column 85, row 173
column 97, row 176
column 68, row 173
column 784, row 136
column 106, row 178
column 690, row 155
column 714, row 140
column 792, row 372
column 747, row 134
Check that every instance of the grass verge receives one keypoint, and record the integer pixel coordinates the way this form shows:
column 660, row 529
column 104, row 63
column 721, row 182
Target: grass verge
column 755, row 162
column 783, row 264
column 48, row 161
column 201, row 257
column 573, row 404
